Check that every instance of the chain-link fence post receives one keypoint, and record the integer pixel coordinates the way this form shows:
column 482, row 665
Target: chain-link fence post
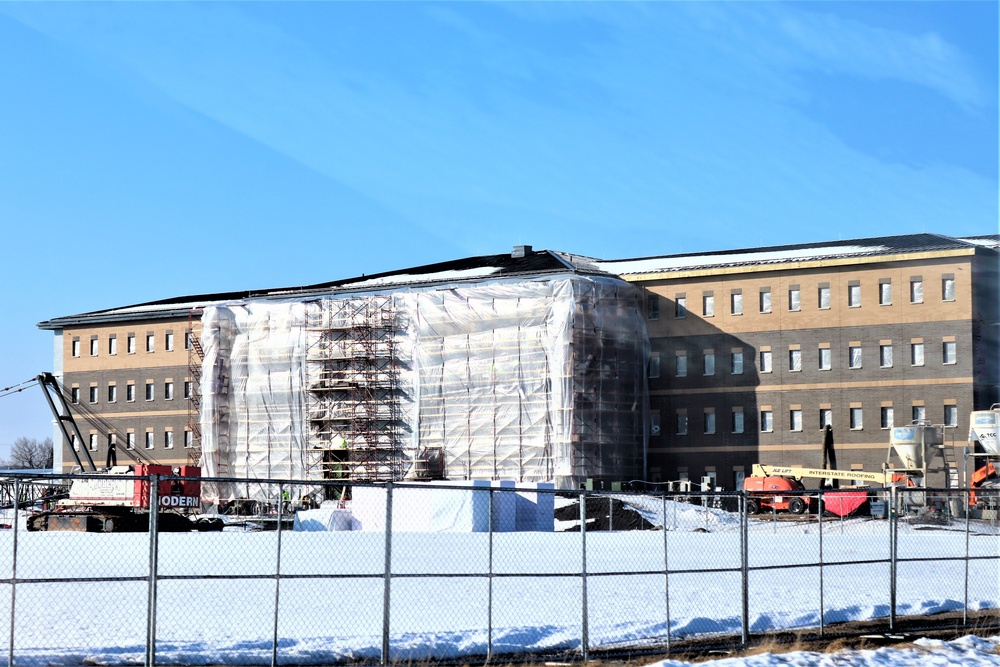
column 666, row 569
column 489, row 592
column 154, row 549
column 13, row 571
column 893, row 544
column 386, row 612
column 819, row 516
column 584, row 632
column 965, row 604
column 277, row 576
column 744, row 571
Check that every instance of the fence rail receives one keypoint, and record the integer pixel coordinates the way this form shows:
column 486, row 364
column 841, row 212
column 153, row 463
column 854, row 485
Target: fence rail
column 478, row 570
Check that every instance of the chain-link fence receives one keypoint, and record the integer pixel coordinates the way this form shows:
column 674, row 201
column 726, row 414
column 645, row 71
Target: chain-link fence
column 471, row 570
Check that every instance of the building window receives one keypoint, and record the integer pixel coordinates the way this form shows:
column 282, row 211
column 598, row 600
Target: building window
column 765, row 299
column 93, row 442
column 168, row 341
column 188, row 340
column 130, row 392
column 854, row 296
column 951, row 415
column 854, row 354
column 709, row 422
column 75, row 347
column 168, row 439
column 737, row 362
column 765, row 361
column 794, row 299
column 189, row 437
column 150, row 342
column 130, row 343
column 885, row 293
column 949, row 352
column 885, row 356
column 737, row 420
column 680, row 306
column 168, row 391
column 150, row 391
column 708, row 305
column 709, row 362
column 795, row 360
column 682, row 365
column 189, row 385
column 919, row 413
column 736, row 303
column 654, row 425
column 112, row 393
column 113, row 345
column 94, row 346
column 948, row 288
column 857, row 421
column 916, row 290
column 149, row 439
column 130, row 440
column 824, row 298
column 112, row 440
column 93, row 394
column 825, row 417
column 653, row 307
column 74, row 395
column 916, row 354
column 795, row 420
column 825, row 359
column 886, row 417
column 682, row 422
column 76, row 443
column 766, row 421
column 654, row 372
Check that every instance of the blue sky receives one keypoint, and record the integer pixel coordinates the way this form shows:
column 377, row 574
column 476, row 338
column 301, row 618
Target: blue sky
column 156, row 150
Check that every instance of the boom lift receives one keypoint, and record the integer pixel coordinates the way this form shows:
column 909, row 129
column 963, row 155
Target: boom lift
column 117, row 498
column 780, row 488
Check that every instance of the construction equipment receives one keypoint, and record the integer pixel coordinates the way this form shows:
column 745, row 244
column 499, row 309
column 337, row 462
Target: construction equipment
column 983, row 445
column 780, row 489
column 116, row 498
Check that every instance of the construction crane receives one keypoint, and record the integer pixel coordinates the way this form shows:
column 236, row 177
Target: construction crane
column 116, row 498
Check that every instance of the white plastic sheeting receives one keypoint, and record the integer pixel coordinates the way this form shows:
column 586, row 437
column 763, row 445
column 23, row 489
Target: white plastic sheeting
column 529, row 380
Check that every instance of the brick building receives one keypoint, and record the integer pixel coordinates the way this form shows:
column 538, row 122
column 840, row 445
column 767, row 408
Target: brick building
column 751, row 351
column 754, row 351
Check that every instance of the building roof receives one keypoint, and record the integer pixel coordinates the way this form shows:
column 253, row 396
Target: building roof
column 526, row 262
column 523, row 262
column 802, row 252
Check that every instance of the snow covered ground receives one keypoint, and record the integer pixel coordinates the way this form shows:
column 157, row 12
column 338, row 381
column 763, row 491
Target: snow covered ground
column 83, row 596
column 968, row 651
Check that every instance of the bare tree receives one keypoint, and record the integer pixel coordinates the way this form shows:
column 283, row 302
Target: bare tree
column 29, row 453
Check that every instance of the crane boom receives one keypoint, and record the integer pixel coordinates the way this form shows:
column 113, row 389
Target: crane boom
column 62, row 415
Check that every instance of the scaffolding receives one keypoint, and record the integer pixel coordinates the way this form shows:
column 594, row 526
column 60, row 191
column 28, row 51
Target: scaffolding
column 196, row 356
column 532, row 380
column 354, row 391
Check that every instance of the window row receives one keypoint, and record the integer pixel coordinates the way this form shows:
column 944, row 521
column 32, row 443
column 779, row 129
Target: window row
column 130, row 343
column 823, row 418
column 94, row 392
column 915, row 295
column 824, row 358
column 148, row 439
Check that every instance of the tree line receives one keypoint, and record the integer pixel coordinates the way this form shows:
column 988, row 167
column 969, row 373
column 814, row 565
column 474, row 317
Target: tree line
column 29, row 454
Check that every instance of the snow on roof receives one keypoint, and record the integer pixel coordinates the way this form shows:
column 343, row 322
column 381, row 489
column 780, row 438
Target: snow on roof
column 987, row 241
column 677, row 262
column 439, row 276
